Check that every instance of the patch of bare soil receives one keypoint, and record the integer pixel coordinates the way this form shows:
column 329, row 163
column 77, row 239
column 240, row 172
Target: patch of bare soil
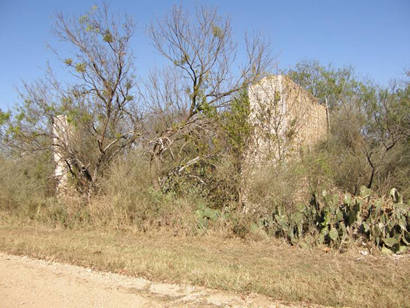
column 27, row 282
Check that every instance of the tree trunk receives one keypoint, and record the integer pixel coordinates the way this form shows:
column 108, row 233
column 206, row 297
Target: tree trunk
column 155, row 167
column 369, row 160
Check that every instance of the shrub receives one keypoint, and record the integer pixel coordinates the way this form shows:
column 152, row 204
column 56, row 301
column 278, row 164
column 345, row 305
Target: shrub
column 25, row 183
column 127, row 198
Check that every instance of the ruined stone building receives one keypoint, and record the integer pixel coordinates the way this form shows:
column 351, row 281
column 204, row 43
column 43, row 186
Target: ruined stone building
column 286, row 119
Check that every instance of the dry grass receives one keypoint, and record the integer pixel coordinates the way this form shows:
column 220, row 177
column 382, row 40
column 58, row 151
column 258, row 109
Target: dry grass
column 268, row 267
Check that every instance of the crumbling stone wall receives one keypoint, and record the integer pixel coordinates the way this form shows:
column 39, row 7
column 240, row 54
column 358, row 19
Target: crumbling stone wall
column 285, row 119
column 61, row 136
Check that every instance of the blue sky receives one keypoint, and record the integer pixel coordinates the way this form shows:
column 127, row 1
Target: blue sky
column 371, row 35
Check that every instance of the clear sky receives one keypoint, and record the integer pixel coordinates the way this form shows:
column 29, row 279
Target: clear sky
column 371, row 35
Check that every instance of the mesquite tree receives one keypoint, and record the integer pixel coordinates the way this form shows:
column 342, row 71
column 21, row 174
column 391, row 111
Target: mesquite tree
column 369, row 127
column 98, row 107
column 202, row 53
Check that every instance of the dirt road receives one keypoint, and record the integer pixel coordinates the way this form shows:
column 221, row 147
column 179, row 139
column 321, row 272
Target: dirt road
column 26, row 282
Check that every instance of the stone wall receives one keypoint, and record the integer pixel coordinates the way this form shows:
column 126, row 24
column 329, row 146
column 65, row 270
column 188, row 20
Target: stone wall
column 286, row 119
column 61, row 136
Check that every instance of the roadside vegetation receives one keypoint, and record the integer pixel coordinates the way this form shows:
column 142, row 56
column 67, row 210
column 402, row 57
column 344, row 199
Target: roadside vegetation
column 164, row 158
column 270, row 267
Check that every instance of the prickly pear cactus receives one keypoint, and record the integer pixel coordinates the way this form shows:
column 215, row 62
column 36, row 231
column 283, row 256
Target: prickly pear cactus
column 337, row 218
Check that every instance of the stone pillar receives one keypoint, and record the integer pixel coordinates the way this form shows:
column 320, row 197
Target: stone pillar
column 61, row 133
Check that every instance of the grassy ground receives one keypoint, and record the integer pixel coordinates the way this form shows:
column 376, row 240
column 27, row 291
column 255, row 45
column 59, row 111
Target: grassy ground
column 268, row 267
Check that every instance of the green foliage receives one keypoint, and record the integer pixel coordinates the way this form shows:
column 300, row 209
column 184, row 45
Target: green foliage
column 80, row 67
column 215, row 159
column 334, row 85
column 68, row 61
column 217, row 32
column 206, row 215
column 230, row 144
column 108, row 37
column 4, row 117
column 83, row 19
column 235, row 123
